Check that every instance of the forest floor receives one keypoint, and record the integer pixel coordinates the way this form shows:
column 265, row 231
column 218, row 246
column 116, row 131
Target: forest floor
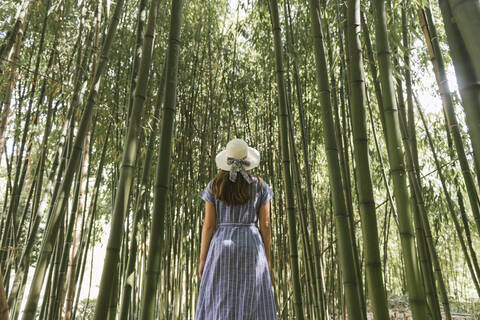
column 461, row 310
column 405, row 314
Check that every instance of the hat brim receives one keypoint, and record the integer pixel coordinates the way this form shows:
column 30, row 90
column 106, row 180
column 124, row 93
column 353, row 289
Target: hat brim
column 253, row 156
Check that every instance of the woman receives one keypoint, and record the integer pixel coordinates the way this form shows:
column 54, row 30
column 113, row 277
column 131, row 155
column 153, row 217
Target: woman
column 234, row 264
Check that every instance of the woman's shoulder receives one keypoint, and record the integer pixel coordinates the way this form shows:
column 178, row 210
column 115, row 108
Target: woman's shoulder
column 211, row 185
column 262, row 184
column 258, row 179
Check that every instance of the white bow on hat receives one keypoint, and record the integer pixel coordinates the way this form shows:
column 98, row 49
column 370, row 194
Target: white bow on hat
column 238, row 157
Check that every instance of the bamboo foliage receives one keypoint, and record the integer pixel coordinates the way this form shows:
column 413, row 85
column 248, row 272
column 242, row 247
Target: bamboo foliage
column 466, row 78
column 449, row 201
column 440, row 74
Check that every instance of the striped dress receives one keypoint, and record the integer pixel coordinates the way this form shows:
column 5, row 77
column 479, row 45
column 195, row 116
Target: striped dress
column 236, row 283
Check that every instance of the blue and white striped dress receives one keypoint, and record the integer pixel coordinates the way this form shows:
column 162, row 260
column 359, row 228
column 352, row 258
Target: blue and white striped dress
column 236, row 283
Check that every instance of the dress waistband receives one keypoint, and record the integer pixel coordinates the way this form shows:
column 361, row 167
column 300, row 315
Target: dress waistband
column 234, row 224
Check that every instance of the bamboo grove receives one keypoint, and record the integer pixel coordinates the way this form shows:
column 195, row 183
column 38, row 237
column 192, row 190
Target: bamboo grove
column 111, row 113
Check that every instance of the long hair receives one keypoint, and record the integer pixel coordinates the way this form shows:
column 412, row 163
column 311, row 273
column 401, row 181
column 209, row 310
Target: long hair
column 232, row 193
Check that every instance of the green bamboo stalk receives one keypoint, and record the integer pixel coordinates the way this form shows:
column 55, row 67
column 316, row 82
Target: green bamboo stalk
column 86, row 239
column 373, row 72
column 466, row 228
column 141, row 201
column 18, row 186
column 48, row 289
column 306, row 247
column 397, row 167
column 162, row 178
column 122, row 194
column 55, row 285
column 466, row 80
column 429, row 261
column 60, row 201
column 467, row 18
column 13, row 73
column 345, row 252
column 388, row 213
column 313, row 299
column 39, row 207
column 15, row 33
column 3, row 300
column 74, row 237
column 283, row 119
column 306, row 156
column 440, row 74
column 418, row 206
column 366, row 201
column 450, row 205
column 138, row 46
column 58, row 282
column 343, row 132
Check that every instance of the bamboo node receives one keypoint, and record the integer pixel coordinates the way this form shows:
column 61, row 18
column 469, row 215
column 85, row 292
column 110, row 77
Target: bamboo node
column 416, row 301
column 175, row 41
column 162, row 186
column 470, row 86
column 406, row 234
column 374, row 264
column 350, row 283
column 400, row 171
column 367, row 203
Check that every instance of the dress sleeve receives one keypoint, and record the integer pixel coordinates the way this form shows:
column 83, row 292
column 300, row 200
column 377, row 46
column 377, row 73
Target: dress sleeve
column 266, row 193
column 207, row 194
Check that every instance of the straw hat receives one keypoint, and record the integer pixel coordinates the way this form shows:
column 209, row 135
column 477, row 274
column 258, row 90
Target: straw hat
column 237, row 149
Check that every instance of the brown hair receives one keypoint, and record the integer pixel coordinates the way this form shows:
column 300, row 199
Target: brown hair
column 232, row 193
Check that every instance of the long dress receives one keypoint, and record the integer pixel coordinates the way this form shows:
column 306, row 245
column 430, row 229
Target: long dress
column 236, row 283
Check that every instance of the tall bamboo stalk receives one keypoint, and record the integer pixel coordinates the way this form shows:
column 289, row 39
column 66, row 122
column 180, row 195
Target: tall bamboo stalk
column 366, row 201
column 15, row 34
column 141, row 202
column 286, row 170
column 60, row 201
column 3, row 300
column 397, row 166
column 467, row 18
column 467, row 85
column 422, row 225
column 162, row 178
column 7, row 98
column 441, row 77
column 306, row 156
column 77, row 230
column 450, row 205
column 127, row 171
column 331, row 149
column 413, row 169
